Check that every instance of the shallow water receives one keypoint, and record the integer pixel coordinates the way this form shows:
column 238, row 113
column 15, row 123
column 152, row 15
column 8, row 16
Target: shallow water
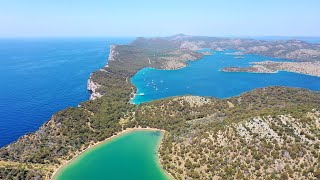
column 129, row 156
column 205, row 78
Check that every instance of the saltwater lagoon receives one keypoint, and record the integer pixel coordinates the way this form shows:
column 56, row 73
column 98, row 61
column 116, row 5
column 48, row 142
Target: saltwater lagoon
column 131, row 155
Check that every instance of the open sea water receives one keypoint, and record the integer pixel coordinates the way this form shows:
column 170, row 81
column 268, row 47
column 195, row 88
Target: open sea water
column 42, row 76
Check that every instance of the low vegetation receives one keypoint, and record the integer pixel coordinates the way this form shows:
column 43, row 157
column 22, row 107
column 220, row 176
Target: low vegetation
column 266, row 133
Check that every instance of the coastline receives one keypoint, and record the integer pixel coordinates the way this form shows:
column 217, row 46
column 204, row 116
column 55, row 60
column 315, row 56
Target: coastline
column 128, row 130
column 167, row 174
column 274, row 72
column 306, row 68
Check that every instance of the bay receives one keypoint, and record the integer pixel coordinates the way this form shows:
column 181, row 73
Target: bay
column 205, row 78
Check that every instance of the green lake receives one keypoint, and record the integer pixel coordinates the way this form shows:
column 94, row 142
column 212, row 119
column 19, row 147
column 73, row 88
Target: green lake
column 133, row 155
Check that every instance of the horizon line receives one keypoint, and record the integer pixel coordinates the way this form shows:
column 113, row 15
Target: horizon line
column 136, row 36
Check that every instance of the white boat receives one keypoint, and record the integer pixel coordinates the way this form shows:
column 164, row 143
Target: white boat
column 140, row 94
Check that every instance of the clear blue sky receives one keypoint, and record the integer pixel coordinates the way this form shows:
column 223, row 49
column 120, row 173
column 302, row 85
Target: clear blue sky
column 159, row 18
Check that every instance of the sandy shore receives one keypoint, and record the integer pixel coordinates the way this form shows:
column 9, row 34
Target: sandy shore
column 106, row 140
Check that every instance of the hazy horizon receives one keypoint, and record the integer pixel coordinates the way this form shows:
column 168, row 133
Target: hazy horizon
column 98, row 18
column 267, row 37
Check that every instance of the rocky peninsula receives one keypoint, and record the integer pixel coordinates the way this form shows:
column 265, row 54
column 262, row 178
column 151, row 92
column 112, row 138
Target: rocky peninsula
column 308, row 68
column 251, row 69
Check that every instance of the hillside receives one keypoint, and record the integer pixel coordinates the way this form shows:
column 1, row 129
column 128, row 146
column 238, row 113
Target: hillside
column 264, row 134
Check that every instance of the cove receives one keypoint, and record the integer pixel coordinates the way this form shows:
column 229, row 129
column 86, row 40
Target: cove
column 205, row 78
column 131, row 155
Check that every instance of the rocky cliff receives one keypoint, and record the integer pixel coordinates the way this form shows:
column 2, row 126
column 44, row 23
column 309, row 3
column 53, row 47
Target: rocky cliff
column 92, row 88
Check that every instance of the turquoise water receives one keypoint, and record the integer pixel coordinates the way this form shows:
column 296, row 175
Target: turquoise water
column 42, row 76
column 204, row 78
column 129, row 156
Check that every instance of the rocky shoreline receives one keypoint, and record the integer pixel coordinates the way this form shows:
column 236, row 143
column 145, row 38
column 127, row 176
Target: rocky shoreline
column 92, row 85
column 251, row 69
column 308, row 68
column 92, row 88
column 113, row 53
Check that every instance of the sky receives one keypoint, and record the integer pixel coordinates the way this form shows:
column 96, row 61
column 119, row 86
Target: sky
column 108, row 18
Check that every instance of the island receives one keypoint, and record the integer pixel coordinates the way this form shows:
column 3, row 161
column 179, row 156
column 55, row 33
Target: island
column 308, row 68
column 267, row 133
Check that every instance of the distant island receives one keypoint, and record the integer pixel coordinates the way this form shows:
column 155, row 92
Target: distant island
column 310, row 68
column 267, row 133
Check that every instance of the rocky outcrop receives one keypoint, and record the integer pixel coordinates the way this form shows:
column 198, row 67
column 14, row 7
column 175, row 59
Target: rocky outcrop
column 92, row 87
column 113, row 53
column 192, row 45
column 174, row 65
column 303, row 54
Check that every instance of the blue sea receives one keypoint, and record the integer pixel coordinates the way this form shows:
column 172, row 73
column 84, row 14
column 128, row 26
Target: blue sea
column 205, row 78
column 42, row 76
